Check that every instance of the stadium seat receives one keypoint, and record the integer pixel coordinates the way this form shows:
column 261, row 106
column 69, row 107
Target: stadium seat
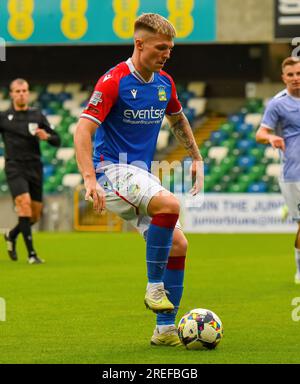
column 2, row 176
column 71, row 104
column 217, row 172
column 271, row 153
column 260, row 187
column 254, row 119
column 33, row 97
column 76, row 112
column 185, row 96
column 198, row 105
column 72, row 88
column 197, row 87
column 244, row 129
column 237, row 188
column 246, row 179
column 236, row 119
column 55, row 88
column 258, row 153
column 274, row 170
column 71, row 180
column 4, row 105
column 65, row 154
column 72, row 128
column 258, row 171
column 163, row 139
column 246, row 162
column 228, row 128
column 81, row 96
column 4, row 188
column 254, row 105
column 189, row 113
column 48, row 170
column 2, row 163
column 218, row 153
column 54, row 120
column 228, row 143
column 274, row 188
column 245, row 145
column 228, row 163
column 217, row 137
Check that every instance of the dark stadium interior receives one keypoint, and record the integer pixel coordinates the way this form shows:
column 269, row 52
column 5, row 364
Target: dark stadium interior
column 225, row 68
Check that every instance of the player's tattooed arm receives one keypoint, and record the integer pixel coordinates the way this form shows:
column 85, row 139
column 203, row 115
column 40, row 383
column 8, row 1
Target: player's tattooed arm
column 183, row 132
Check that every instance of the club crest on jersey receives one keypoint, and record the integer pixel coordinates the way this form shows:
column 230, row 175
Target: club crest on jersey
column 32, row 127
column 96, row 98
column 162, row 96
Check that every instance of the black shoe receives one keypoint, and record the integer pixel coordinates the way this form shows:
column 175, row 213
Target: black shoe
column 35, row 260
column 11, row 247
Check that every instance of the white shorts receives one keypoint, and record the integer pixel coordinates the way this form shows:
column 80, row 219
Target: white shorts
column 129, row 190
column 291, row 194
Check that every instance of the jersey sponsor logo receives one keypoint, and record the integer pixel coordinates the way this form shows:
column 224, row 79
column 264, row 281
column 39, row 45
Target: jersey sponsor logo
column 93, row 110
column 162, row 96
column 32, row 128
column 144, row 114
column 134, row 92
column 107, row 77
column 96, row 98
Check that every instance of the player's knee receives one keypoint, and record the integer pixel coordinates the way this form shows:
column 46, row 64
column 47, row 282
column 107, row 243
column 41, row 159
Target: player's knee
column 180, row 246
column 23, row 206
column 171, row 206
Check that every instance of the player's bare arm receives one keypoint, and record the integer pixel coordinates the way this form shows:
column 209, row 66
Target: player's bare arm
column 83, row 148
column 182, row 130
column 265, row 135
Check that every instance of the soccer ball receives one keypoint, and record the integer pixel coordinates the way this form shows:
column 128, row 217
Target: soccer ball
column 200, row 329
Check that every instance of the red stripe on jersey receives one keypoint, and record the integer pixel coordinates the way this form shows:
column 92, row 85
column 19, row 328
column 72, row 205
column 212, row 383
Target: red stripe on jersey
column 174, row 105
column 106, row 92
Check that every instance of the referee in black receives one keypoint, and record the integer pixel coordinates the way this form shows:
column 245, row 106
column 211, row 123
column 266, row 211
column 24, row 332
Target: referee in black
column 22, row 129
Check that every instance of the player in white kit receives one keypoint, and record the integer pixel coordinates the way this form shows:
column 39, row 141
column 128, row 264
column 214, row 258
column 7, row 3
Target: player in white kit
column 280, row 127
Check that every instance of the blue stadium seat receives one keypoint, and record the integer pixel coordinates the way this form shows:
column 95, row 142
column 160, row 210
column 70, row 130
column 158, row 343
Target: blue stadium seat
column 48, row 171
column 236, row 119
column 259, row 187
column 189, row 113
column 246, row 162
column 244, row 129
column 245, row 145
column 217, row 137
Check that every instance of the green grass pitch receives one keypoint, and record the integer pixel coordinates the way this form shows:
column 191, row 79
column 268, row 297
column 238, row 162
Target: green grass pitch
column 86, row 304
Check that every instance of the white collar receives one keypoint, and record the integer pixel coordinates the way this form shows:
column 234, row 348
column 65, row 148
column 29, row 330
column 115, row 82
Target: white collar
column 136, row 74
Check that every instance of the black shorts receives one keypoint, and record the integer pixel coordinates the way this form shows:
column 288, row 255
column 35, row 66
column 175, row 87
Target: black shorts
column 25, row 177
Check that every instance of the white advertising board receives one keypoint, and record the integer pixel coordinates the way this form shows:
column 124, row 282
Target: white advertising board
column 235, row 213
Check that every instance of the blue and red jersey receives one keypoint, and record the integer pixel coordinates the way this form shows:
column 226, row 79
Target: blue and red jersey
column 129, row 112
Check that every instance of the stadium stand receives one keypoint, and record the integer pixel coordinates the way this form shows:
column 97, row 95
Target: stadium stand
column 62, row 104
column 234, row 162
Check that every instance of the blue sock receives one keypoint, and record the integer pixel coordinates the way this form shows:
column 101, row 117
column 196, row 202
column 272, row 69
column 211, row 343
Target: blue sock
column 159, row 243
column 173, row 283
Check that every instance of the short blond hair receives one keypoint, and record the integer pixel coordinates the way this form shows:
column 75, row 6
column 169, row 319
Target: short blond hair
column 292, row 60
column 18, row 81
column 155, row 23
